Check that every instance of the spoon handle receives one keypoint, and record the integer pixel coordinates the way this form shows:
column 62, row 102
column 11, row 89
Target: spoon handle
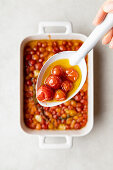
column 95, row 36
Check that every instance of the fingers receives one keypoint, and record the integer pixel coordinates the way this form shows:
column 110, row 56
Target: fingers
column 108, row 7
column 111, row 44
column 99, row 17
column 107, row 38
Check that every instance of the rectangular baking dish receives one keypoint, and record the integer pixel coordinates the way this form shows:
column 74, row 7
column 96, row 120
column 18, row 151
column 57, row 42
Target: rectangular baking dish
column 68, row 134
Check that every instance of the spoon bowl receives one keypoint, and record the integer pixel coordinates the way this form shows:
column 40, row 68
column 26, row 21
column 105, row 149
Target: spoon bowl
column 58, row 56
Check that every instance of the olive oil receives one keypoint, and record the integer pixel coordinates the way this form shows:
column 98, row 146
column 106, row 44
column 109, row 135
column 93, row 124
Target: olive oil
column 64, row 63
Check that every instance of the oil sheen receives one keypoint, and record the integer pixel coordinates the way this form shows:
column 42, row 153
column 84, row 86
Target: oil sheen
column 64, row 63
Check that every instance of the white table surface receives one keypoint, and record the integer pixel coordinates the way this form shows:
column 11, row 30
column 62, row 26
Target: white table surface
column 19, row 151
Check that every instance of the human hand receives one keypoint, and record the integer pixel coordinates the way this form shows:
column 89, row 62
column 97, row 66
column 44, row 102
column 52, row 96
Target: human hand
column 106, row 8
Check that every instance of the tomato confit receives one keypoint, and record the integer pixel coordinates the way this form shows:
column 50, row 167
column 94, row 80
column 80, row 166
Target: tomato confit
column 57, row 85
column 73, row 114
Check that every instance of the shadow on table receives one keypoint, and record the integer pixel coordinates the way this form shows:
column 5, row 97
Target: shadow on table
column 98, row 76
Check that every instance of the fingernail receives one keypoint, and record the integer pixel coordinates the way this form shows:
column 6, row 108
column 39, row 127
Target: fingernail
column 108, row 7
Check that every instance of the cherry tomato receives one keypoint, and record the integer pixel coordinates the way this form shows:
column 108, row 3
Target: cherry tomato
column 38, row 66
column 29, row 83
column 35, row 48
column 44, row 126
column 54, row 81
column 31, row 68
column 64, row 42
column 27, row 49
column 54, row 44
column 67, row 127
column 35, row 57
column 27, row 70
column 67, row 86
column 78, row 109
column 83, row 101
column 31, row 52
column 44, row 44
column 55, row 116
column 71, row 74
column 85, row 109
column 82, row 93
column 31, row 62
column 77, row 126
column 42, row 55
column 38, row 53
column 70, row 44
column 84, row 115
column 68, row 48
column 40, row 60
column 79, row 105
column 80, row 44
column 29, row 94
column 26, row 64
column 44, row 93
column 28, row 57
column 76, row 48
column 77, row 97
column 41, row 49
column 85, row 97
column 38, row 126
column 62, row 48
column 55, row 49
column 60, row 95
column 80, row 119
column 58, row 70
column 39, row 44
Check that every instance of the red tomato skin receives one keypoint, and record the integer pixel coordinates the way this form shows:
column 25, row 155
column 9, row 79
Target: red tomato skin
column 58, row 71
column 60, row 95
column 67, row 86
column 77, row 126
column 31, row 62
column 77, row 97
column 71, row 74
column 38, row 66
column 54, row 81
column 28, row 57
column 29, row 82
column 44, row 93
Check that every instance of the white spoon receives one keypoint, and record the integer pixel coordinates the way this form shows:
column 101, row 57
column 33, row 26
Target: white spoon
column 77, row 57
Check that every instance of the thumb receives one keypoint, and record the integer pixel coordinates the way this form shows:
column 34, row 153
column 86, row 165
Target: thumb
column 108, row 7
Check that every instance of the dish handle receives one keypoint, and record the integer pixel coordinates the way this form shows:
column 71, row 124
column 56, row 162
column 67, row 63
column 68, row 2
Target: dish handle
column 43, row 25
column 66, row 145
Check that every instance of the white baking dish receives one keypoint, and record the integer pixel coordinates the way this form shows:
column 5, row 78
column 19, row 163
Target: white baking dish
column 68, row 134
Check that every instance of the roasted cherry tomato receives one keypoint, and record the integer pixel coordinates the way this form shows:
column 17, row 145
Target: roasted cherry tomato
column 54, row 81
column 38, row 66
column 77, row 126
column 31, row 62
column 78, row 97
column 71, row 74
column 62, row 48
column 67, row 85
column 58, row 70
column 29, row 83
column 60, row 95
column 28, row 57
column 44, row 93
